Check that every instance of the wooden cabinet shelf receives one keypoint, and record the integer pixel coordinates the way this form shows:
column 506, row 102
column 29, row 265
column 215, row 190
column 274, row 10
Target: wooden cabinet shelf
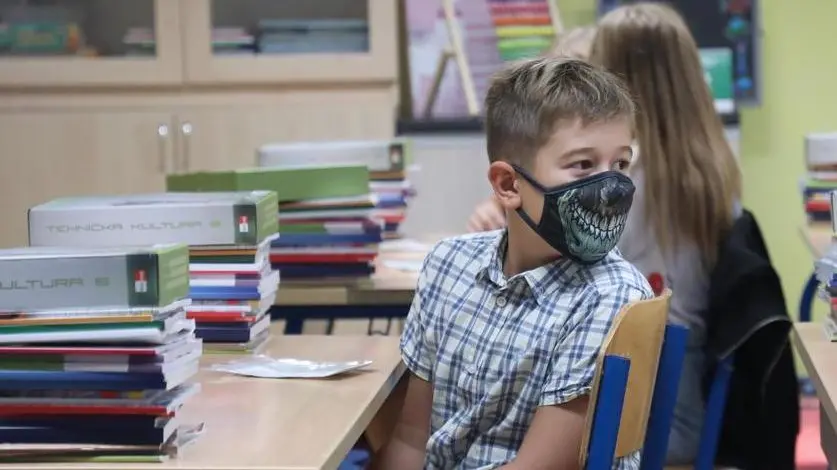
column 148, row 43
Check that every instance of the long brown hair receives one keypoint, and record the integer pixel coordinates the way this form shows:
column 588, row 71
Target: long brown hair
column 692, row 180
column 574, row 43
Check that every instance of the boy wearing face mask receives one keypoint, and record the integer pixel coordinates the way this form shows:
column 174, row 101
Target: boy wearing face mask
column 505, row 327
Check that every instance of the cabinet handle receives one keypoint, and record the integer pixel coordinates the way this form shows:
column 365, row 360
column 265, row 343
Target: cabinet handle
column 186, row 130
column 162, row 142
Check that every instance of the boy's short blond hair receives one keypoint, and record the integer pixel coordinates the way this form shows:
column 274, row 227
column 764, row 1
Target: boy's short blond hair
column 528, row 100
column 574, row 43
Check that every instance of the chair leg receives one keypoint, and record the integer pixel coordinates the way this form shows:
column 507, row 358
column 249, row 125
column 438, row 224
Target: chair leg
column 714, row 417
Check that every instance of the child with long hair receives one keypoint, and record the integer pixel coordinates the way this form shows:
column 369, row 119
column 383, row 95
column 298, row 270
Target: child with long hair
column 688, row 182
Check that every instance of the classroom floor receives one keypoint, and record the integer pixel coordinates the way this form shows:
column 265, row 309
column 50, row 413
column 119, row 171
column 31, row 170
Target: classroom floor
column 809, row 454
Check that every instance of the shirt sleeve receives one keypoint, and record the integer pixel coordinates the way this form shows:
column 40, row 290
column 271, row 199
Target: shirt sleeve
column 417, row 348
column 574, row 357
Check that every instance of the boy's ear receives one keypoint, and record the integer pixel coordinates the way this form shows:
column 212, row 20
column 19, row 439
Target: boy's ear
column 506, row 187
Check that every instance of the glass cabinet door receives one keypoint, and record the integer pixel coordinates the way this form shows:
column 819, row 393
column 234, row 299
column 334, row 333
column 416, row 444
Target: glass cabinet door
column 89, row 42
column 281, row 40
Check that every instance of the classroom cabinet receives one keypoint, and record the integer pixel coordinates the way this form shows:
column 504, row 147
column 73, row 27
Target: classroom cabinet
column 57, row 154
column 87, row 145
column 110, row 96
column 94, row 43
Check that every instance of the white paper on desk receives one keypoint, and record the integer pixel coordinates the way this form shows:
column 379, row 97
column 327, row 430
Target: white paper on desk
column 271, row 368
column 410, row 266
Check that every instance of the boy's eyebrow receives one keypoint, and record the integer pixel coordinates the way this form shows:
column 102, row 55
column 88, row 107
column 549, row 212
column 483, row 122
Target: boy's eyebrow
column 591, row 151
column 578, row 152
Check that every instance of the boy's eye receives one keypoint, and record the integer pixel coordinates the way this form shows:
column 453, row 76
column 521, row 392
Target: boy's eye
column 622, row 164
column 582, row 165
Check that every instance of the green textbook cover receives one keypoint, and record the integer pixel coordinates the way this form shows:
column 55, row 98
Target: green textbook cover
column 47, row 278
column 291, row 183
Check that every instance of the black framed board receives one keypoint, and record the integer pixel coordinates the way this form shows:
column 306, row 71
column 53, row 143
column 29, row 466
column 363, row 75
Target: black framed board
column 718, row 25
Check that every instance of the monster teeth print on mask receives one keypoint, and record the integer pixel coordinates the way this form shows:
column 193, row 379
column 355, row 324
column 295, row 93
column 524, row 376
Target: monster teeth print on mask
column 583, row 219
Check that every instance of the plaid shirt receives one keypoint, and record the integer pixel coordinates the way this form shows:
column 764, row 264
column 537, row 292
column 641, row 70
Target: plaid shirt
column 495, row 349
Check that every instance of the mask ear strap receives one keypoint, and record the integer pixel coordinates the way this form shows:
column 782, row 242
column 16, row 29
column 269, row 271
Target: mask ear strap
column 523, row 215
column 520, row 171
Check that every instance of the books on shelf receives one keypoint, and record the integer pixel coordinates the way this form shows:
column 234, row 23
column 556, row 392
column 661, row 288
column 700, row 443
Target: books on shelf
column 228, row 233
column 87, row 379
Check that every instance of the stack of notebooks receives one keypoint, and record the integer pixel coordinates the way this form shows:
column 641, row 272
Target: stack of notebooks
column 386, row 160
column 325, row 213
column 312, row 36
column 821, row 177
column 523, row 27
column 826, row 271
column 96, row 354
column 231, row 283
column 141, row 41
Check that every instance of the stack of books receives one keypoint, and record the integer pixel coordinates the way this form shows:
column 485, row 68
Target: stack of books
column 325, row 213
column 825, row 270
column 97, row 353
column 312, row 36
column 386, row 160
column 232, row 285
column 820, row 179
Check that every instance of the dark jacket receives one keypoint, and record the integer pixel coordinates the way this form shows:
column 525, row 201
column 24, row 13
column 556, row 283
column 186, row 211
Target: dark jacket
column 748, row 318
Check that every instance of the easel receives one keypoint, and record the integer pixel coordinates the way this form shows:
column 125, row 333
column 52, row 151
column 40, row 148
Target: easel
column 456, row 51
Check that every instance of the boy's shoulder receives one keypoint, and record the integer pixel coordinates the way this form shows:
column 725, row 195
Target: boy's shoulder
column 464, row 248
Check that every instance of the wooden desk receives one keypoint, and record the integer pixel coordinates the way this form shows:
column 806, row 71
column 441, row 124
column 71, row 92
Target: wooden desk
column 816, row 238
column 284, row 424
column 819, row 355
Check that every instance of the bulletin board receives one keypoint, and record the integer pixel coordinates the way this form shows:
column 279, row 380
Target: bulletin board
column 722, row 25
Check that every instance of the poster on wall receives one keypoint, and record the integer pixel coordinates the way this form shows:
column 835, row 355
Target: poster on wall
column 493, row 32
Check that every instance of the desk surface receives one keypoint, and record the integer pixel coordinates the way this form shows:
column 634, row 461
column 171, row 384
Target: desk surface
column 300, row 424
column 818, row 354
column 817, row 238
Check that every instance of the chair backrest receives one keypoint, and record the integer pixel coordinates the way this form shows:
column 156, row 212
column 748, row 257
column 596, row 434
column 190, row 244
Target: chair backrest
column 636, row 336
column 664, row 401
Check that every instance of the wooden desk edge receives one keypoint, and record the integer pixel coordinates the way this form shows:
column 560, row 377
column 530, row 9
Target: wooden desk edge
column 376, row 419
column 826, row 400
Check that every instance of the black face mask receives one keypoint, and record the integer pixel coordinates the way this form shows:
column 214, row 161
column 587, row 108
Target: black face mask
column 583, row 219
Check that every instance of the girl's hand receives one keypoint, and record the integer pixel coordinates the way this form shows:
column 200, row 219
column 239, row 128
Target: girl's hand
column 488, row 215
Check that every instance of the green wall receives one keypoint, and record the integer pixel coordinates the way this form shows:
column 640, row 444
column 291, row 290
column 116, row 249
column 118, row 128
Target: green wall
column 799, row 69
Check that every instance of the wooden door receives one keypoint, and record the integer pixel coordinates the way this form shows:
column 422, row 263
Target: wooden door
column 50, row 154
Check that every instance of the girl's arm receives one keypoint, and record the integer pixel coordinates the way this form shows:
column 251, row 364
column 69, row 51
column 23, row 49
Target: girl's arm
column 488, row 215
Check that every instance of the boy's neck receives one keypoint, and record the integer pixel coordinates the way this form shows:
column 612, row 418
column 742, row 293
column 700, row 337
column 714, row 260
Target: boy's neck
column 525, row 250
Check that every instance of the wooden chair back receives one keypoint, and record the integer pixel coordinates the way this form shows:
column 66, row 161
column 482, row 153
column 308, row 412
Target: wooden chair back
column 637, row 335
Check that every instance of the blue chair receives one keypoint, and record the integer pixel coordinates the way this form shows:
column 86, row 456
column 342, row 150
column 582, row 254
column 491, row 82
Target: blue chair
column 665, row 398
column 712, row 422
column 624, row 385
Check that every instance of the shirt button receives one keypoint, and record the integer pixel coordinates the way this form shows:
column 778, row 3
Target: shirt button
column 501, row 301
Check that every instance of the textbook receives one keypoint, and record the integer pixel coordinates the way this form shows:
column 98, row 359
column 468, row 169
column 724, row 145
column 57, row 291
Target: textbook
column 40, row 278
column 223, row 218
column 383, row 158
column 291, row 183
